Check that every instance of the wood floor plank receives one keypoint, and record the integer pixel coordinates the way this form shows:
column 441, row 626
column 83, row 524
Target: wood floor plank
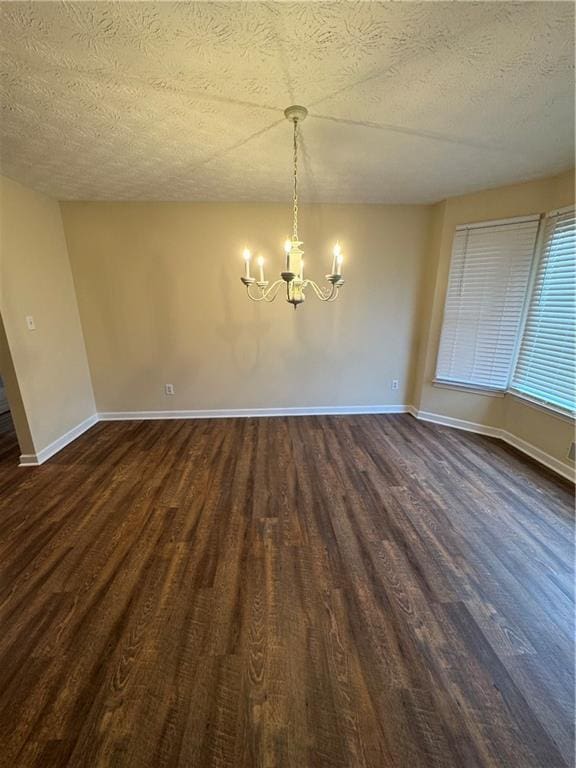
column 354, row 592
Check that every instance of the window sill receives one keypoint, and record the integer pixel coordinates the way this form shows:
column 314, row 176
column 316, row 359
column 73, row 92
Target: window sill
column 469, row 388
column 551, row 410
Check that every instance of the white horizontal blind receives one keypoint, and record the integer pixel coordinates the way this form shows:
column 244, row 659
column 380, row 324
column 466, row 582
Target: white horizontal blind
column 489, row 274
column 546, row 359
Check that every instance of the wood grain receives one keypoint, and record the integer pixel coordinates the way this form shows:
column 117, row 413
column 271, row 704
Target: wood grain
column 364, row 591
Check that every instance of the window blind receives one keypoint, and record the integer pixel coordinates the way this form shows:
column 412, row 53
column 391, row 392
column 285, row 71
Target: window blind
column 489, row 274
column 546, row 358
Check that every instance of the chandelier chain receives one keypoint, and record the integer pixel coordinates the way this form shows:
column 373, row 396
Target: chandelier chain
column 295, row 195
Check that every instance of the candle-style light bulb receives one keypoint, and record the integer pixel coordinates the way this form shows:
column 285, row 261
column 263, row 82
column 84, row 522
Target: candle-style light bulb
column 261, row 265
column 246, row 255
column 339, row 261
column 336, row 252
column 287, row 249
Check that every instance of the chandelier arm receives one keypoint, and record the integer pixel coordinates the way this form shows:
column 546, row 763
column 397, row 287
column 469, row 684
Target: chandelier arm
column 335, row 296
column 253, row 298
column 324, row 294
column 266, row 294
column 272, row 292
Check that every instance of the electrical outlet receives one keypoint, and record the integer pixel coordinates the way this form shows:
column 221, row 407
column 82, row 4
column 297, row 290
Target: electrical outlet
column 571, row 452
column 30, row 324
column 394, row 383
column 169, row 389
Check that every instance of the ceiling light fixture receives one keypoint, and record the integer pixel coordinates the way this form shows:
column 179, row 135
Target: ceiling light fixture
column 293, row 277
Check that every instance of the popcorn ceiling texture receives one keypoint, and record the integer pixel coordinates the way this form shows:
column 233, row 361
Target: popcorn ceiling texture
column 409, row 102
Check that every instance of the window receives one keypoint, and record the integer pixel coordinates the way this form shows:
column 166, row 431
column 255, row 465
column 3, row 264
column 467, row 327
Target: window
column 546, row 358
column 489, row 275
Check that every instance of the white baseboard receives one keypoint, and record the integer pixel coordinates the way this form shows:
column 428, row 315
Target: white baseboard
column 35, row 459
column 560, row 467
column 540, row 456
column 449, row 421
column 329, row 410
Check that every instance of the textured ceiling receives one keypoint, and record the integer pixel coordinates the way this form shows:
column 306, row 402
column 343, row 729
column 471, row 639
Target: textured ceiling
column 409, row 102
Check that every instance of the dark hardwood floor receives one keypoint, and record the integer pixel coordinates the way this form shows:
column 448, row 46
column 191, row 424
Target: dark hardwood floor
column 305, row 592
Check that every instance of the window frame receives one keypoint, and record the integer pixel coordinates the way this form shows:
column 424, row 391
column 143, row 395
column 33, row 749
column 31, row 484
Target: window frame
column 482, row 389
column 539, row 253
column 537, row 257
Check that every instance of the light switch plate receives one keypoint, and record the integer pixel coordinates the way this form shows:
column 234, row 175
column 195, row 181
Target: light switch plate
column 30, row 324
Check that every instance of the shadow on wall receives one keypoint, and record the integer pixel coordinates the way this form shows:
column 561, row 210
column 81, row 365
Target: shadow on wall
column 298, row 338
column 234, row 331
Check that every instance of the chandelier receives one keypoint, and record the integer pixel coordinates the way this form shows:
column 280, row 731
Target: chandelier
column 293, row 277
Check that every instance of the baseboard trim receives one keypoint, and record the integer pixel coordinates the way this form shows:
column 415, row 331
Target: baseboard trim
column 239, row 413
column 449, row 421
column 561, row 468
column 565, row 470
column 35, row 459
column 540, row 456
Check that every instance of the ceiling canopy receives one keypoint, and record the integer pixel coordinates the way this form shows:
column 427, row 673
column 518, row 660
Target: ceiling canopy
column 408, row 102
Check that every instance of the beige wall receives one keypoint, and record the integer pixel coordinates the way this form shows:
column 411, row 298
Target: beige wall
column 426, row 299
column 35, row 279
column 535, row 425
column 550, row 433
column 161, row 302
